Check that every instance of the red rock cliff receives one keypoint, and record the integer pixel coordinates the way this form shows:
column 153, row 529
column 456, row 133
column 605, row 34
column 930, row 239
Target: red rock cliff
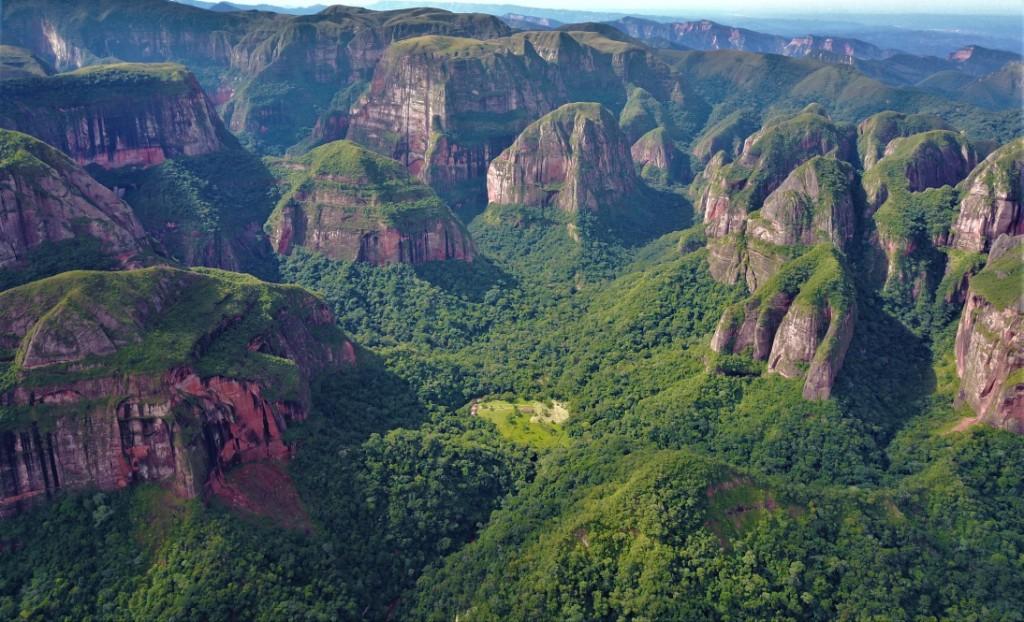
column 116, row 115
column 75, row 417
column 990, row 339
column 45, row 197
column 355, row 205
column 993, row 203
column 573, row 159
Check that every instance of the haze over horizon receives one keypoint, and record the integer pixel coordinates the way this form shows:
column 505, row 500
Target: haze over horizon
column 775, row 7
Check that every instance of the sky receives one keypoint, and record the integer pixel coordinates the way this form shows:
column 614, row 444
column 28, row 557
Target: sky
column 748, row 7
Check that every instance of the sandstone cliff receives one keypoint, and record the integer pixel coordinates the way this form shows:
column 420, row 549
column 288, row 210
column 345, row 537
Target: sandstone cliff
column 876, row 132
column 158, row 374
column 271, row 74
column 992, row 204
column 814, row 205
column 926, row 160
column 46, row 199
column 308, row 66
column 709, row 35
column 454, row 102
column 116, row 115
column 658, row 160
column 800, row 322
column 990, row 338
column 352, row 204
column 574, row 159
column 978, row 60
column 729, row 193
column 445, row 107
column 911, row 196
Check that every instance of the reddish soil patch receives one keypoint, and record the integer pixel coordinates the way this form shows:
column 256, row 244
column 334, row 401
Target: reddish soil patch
column 264, row 489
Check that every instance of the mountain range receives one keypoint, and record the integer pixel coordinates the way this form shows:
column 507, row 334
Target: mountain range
column 343, row 313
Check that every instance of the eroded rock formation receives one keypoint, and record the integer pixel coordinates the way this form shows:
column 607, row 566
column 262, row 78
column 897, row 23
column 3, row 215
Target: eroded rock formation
column 992, row 204
column 800, row 322
column 47, row 198
column 152, row 375
column 349, row 203
column 990, row 338
column 116, row 115
column 574, row 159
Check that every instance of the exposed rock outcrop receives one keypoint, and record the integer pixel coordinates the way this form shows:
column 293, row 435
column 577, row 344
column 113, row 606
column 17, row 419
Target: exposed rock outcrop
column 658, row 160
column 978, row 60
column 428, row 94
column 990, row 339
column 911, row 164
column 907, row 192
column 813, row 205
column 152, row 375
column 992, row 205
column 47, row 198
column 768, row 156
column 708, row 35
column 116, row 115
column 273, row 74
column 800, row 322
column 574, row 159
column 349, row 203
column 313, row 64
column 841, row 49
column 446, row 106
column 771, row 158
column 876, row 132
column 701, row 35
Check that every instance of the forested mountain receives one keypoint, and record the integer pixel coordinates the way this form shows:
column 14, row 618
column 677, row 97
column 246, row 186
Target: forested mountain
column 408, row 315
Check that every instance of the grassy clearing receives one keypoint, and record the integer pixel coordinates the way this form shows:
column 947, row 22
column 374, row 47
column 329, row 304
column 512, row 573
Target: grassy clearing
column 538, row 424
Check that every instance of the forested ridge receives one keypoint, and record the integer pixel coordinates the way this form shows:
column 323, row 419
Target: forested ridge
column 411, row 315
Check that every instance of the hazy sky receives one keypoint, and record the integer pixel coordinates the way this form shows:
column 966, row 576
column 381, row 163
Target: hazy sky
column 749, row 7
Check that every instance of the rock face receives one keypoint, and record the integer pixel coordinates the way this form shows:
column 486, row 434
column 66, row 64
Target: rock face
column 990, row 339
column 813, row 205
column 99, row 395
column 273, row 73
column 658, row 160
column 116, row 115
column 708, row 35
column 445, row 107
column 729, row 193
column 422, row 105
column 313, row 64
column 978, row 60
column 992, row 205
column 47, row 198
column 701, row 35
column 928, row 160
column 876, row 132
column 352, row 204
column 906, row 191
column 841, row 49
column 574, row 159
column 800, row 322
